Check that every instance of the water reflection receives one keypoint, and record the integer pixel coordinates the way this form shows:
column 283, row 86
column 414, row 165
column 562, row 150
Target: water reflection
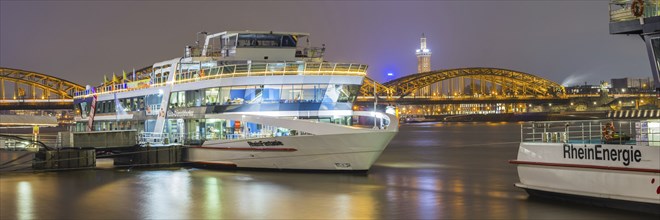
column 167, row 194
column 24, row 201
column 428, row 200
column 213, row 190
column 452, row 176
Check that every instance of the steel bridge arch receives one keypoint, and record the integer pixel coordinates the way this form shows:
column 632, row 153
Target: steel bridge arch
column 367, row 88
column 48, row 84
column 523, row 83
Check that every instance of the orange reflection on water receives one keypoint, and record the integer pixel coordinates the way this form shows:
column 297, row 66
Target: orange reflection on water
column 354, row 206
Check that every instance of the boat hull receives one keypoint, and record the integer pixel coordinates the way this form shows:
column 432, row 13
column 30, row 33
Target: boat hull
column 596, row 201
column 584, row 171
column 343, row 152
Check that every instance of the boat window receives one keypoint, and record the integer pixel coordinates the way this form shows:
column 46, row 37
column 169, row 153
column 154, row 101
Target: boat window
column 215, row 129
column 312, row 93
column 134, row 104
column 253, row 94
column 193, row 98
column 113, row 107
column 84, row 109
column 211, row 96
column 224, row 95
column 103, row 107
column 237, row 94
column 288, row 41
column 174, row 100
column 288, row 93
column 152, row 103
column 127, row 105
column 230, row 41
column 141, row 103
column 340, row 93
column 332, row 93
column 271, row 93
column 265, row 40
column 353, row 91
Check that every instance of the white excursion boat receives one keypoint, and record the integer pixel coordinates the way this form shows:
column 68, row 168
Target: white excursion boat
column 248, row 99
column 604, row 162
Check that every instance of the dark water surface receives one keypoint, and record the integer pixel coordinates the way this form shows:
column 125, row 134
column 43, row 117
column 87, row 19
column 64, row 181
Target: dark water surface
column 429, row 171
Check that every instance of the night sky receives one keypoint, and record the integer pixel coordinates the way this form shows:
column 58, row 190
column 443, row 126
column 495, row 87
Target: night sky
column 564, row 41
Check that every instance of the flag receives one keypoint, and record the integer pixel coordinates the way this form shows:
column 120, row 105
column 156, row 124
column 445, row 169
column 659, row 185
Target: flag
column 114, row 78
column 201, row 73
column 105, row 79
column 123, row 75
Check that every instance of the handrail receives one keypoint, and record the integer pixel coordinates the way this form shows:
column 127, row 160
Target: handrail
column 241, row 70
column 621, row 132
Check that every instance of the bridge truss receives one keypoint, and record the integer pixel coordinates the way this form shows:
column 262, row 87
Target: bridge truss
column 367, row 88
column 16, row 84
column 467, row 81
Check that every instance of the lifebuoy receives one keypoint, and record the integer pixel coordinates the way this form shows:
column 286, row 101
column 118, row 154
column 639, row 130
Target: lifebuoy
column 608, row 131
column 637, row 8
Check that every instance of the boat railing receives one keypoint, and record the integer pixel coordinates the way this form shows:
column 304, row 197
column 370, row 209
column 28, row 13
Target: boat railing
column 151, row 138
column 154, row 138
column 638, row 132
column 239, row 70
column 271, row 69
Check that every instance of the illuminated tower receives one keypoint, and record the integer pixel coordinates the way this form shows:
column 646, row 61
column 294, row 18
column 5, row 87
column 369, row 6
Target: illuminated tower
column 423, row 57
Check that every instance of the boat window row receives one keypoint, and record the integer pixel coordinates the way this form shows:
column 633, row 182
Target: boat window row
column 113, row 106
column 199, row 129
column 235, row 95
column 265, row 40
column 218, row 129
column 257, row 94
column 127, row 104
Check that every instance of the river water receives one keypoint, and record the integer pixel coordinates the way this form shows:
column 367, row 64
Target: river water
column 429, row 171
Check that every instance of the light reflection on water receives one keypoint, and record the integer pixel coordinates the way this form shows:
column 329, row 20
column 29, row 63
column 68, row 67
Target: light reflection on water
column 24, row 201
column 166, row 196
column 213, row 194
column 450, row 176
